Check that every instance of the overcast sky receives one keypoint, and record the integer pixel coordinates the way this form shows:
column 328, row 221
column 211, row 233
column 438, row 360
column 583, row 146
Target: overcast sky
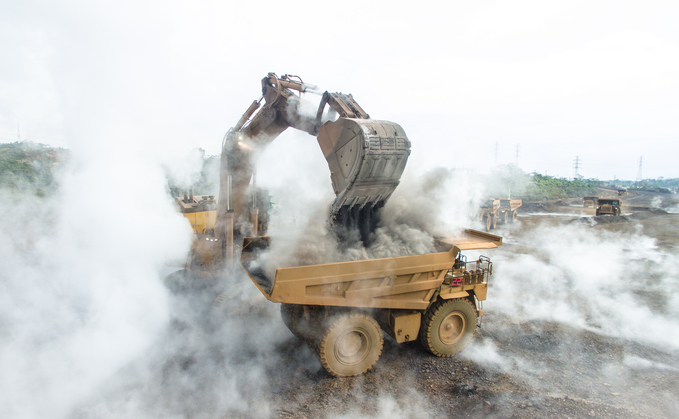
column 540, row 82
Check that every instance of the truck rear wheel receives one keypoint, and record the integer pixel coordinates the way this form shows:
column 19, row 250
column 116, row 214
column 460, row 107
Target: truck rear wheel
column 448, row 327
column 351, row 344
column 513, row 217
column 486, row 219
column 504, row 218
column 493, row 222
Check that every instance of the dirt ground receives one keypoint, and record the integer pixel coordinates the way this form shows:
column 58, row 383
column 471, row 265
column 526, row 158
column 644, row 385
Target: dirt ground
column 242, row 361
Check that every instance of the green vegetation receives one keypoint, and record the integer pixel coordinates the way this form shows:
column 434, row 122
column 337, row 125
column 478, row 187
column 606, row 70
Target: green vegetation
column 509, row 181
column 547, row 187
column 660, row 185
column 29, row 167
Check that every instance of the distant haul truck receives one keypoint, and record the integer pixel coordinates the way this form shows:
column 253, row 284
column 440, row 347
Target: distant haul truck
column 608, row 207
column 340, row 308
column 494, row 211
column 589, row 201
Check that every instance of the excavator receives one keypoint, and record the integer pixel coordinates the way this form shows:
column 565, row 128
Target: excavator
column 341, row 308
column 366, row 158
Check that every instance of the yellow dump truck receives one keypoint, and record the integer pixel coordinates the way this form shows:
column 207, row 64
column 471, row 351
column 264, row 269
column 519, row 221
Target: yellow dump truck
column 340, row 308
column 608, row 207
column 488, row 213
column 494, row 211
column 589, row 201
column 508, row 207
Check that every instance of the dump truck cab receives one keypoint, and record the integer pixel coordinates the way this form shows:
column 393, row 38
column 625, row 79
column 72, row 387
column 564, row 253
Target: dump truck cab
column 608, row 207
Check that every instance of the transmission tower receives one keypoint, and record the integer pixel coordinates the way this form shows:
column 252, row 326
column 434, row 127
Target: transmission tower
column 577, row 167
column 641, row 163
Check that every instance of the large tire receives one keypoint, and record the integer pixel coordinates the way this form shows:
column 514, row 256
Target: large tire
column 351, row 344
column 597, row 212
column 493, row 222
column 487, row 222
column 514, row 216
column 448, row 327
column 504, row 218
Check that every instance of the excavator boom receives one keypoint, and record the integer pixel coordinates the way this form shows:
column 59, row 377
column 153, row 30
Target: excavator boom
column 366, row 157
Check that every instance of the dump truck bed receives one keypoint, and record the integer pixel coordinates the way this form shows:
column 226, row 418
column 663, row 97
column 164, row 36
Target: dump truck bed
column 405, row 282
column 510, row 204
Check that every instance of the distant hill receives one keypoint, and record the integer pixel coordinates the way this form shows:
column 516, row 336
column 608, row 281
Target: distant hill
column 29, row 167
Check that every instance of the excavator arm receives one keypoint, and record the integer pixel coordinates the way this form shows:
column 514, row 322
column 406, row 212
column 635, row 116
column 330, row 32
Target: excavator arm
column 366, row 157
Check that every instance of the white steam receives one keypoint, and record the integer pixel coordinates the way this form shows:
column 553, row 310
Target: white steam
column 437, row 202
column 592, row 280
column 81, row 293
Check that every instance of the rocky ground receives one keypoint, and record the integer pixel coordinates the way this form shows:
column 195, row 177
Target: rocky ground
column 239, row 360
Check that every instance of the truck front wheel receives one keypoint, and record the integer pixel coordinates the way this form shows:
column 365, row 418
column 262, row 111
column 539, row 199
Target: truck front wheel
column 513, row 217
column 351, row 344
column 448, row 327
column 486, row 220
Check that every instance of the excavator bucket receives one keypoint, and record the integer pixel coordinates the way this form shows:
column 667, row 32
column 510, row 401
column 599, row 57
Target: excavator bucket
column 366, row 159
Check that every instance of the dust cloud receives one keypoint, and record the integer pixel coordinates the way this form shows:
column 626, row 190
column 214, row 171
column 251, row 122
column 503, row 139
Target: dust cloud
column 583, row 312
column 434, row 203
column 594, row 280
column 81, row 291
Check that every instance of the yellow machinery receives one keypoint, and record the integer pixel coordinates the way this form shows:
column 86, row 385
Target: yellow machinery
column 608, row 207
column 201, row 211
column 366, row 158
column 589, row 201
column 507, row 213
column 339, row 308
